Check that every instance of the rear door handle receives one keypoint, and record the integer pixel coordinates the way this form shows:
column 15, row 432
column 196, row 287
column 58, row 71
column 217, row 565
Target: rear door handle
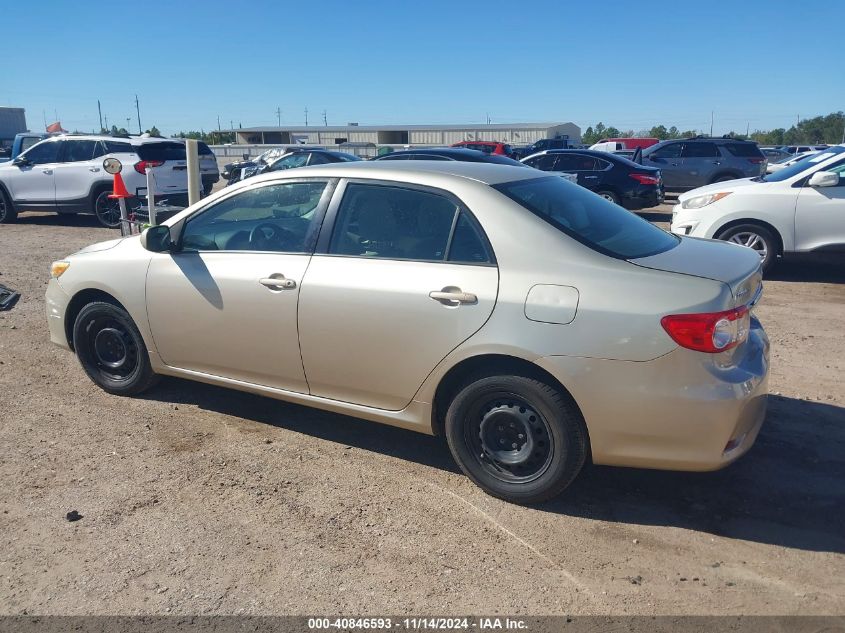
column 47, row 171
column 452, row 296
column 94, row 169
column 277, row 281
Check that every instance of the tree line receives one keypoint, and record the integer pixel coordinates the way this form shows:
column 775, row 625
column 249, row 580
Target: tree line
column 828, row 129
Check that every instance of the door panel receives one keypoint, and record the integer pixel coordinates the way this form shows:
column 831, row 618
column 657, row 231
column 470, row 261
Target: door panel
column 668, row 160
column 820, row 214
column 209, row 312
column 369, row 331
column 77, row 172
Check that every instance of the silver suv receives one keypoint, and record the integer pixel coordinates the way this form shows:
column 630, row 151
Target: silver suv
column 694, row 162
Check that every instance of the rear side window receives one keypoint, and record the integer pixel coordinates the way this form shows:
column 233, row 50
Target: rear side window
column 116, row 147
column 378, row 221
column 744, row 150
column 699, row 150
column 162, row 151
column 202, row 148
column 601, row 225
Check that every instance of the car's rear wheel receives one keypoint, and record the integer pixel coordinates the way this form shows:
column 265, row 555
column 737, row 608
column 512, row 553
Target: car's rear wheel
column 609, row 195
column 756, row 237
column 111, row 349
column 7, row 211
column 517, row 438
column 107, row 209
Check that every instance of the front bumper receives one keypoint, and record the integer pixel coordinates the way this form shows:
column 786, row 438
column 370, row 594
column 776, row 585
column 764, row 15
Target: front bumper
column 56, row 300
column 683, row 411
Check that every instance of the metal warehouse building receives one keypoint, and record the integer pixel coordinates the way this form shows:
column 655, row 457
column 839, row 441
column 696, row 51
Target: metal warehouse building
column 514, row 133
column 12, row 121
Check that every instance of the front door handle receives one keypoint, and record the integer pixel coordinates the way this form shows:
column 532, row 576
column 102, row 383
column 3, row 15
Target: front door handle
column 47, row 171
column 277, row 281
column 452, row 296
column 94, row 169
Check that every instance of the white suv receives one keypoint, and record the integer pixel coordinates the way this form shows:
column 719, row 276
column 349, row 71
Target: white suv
column 65, row 174
column 797, row 209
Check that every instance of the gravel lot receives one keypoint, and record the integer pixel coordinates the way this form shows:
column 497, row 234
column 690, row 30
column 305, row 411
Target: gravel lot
column 200, row 500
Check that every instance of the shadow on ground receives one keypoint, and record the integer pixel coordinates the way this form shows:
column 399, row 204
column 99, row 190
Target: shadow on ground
column 82, row 220
column 819, row 268
column 789, row 490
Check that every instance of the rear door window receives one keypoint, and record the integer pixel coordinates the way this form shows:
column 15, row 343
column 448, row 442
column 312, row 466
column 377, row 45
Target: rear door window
column 78, row 151
column 699, row 150
column 597, row 223
column 672, row 150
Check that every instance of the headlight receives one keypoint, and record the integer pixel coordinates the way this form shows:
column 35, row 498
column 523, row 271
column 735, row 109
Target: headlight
column 702, row 201
column 57, row 268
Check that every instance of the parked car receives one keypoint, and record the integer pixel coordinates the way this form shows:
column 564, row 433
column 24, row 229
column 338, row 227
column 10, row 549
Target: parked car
column 208, row 167
column 22, row 142
column 450, row 153
column 789, row 160
column 488, row 147
column 693, row 162
column 613, row 177
column 773, row 154
column 540, row 146
column 232, row 171
column 64, row 174
column 800, row 208
column 299, row 158
column 532, row 323
column 794, row 149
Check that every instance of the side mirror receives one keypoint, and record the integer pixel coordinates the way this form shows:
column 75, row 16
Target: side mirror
column 157, row 239
column 824, row 179
column 20, row 160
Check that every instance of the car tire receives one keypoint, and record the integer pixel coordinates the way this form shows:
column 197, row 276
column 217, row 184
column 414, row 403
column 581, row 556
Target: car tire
column 8, row 214
column 757, row 237
column 609, row 196
column 107, row 210
column 518, row 438
column 111, row 350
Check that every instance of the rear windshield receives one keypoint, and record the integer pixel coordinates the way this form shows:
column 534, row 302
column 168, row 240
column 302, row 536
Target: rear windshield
column 602, row 225
column 166, row 150
column 744, row 150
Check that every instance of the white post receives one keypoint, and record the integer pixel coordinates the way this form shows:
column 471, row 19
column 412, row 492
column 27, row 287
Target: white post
column 125, row 226
column 151, row 198
column 192, row 151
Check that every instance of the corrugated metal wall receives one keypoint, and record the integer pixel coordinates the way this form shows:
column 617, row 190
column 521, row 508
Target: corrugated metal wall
column 12, row 121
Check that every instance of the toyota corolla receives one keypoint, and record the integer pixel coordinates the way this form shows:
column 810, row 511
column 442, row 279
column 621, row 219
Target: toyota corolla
column 534, row 324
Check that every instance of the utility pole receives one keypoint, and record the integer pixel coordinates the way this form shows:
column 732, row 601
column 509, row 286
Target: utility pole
column 218, row 123
column 488, row 118
column 712, row 113
column 325, row 120
column 128, row 122
column 279, row 116
column 107, row 123
column 747, row 128
column 138, row 111
column 100, row 112
column 306, row 116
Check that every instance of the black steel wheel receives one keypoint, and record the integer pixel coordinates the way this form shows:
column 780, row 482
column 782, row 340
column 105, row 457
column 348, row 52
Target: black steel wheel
column 107, row 210
column 517, row 438
column 111, row 349
column 7, row 211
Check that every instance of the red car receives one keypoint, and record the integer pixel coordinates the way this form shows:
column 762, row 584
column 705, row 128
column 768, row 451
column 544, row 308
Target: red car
column 488, row 147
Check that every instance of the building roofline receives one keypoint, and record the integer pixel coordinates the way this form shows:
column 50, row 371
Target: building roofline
column 399, row 128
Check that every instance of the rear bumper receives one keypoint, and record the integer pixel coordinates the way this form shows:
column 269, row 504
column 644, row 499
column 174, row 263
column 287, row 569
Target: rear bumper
column 683, row 411
column 643, row 198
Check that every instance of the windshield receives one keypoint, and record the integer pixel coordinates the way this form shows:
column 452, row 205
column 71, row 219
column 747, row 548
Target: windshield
column 802, row 165
column 602, row 225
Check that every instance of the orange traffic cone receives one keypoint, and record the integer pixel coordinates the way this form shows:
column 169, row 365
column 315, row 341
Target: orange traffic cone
column 119, row 188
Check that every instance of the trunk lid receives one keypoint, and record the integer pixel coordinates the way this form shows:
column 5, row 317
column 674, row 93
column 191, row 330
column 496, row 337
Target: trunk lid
column 732, row 264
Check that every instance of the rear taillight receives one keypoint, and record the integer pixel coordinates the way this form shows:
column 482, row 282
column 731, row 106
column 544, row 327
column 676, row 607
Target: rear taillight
column 709, row 332
column 756, row 161
column 646, row 179
column 141, row 165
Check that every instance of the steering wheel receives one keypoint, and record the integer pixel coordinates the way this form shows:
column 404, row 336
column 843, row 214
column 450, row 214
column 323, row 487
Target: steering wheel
column 269, row 237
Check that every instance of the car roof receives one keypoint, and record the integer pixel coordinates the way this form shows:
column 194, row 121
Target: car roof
column 133, row 140
column 432, row 172
column 440, row 151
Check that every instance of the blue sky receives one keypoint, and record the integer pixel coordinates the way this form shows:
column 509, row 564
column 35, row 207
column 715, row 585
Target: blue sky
column 629, row 64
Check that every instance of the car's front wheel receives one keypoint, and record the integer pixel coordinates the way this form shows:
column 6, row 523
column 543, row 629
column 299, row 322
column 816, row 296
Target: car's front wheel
column 7, row 211
column 517, row 438
column 756, row 237
column 111, row 349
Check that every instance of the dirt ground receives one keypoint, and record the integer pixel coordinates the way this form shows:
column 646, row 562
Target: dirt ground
column 199, row 500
